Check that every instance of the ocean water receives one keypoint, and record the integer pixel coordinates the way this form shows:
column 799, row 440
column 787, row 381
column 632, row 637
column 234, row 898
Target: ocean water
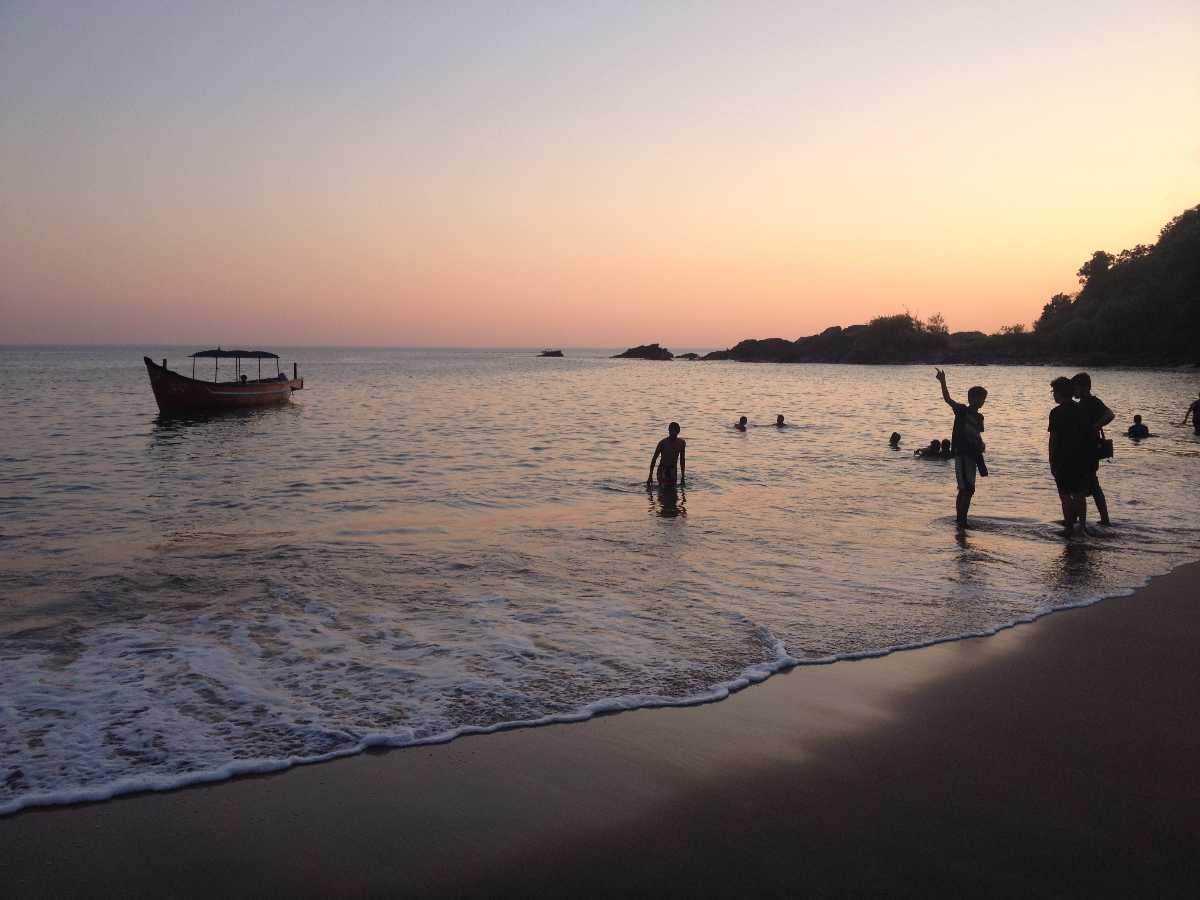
column 427, row 543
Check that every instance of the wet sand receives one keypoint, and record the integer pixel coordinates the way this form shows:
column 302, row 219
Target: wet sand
column 1054, row 759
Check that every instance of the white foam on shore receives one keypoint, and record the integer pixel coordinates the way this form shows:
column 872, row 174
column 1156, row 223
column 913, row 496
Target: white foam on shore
column 752, row 675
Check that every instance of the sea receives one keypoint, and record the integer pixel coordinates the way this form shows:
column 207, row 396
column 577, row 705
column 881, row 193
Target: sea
column 430, row 543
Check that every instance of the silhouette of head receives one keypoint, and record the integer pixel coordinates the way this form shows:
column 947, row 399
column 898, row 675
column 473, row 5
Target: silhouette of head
column 945, row 445
column 673, row 429
column 1082, row 384
column 935, row 445
column 742, row 420
column 779, row 419
column 894, row 440
column 976, row 397
column 1137, row 420
column 1063, row 390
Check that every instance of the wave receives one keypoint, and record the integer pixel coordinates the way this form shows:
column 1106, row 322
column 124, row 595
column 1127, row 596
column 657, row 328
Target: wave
column 751, row 675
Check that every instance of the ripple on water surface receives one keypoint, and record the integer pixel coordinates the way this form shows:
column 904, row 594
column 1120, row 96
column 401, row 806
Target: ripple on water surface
column 470, row 543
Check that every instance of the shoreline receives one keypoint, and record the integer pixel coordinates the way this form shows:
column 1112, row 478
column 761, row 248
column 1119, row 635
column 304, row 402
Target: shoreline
column 1048, row 758
column 750, row 677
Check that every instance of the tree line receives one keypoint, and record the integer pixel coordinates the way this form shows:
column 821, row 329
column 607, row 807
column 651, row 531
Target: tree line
column 1138, row 307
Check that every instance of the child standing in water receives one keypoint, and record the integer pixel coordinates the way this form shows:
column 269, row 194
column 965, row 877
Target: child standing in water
column 671, row 452
column 966, row 444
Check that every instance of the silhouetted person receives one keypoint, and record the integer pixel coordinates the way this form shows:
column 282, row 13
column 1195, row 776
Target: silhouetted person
column 243, row 379
column 1097, row 415
column 1137, row 430
column 1070, row 453
column 894, row 440
column 1194, row 412
column 741, row 424
column 946, row 451
column 933, row 451
column 779, row 423
column 670, row 451
column 966, row 444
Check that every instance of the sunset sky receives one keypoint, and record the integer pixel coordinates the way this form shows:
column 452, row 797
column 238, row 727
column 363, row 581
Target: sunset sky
column 560, row 174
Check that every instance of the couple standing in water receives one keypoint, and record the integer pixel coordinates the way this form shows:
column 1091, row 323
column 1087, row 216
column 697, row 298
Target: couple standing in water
column 1076, row 446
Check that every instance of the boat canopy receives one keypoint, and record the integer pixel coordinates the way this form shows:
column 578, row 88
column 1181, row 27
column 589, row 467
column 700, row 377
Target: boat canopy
column 234, row 354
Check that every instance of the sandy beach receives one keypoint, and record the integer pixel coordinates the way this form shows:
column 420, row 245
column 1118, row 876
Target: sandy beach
column 1054, row 759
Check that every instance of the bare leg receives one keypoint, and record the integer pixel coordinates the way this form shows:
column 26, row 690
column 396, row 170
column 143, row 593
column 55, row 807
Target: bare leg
column 1101, row 503
column 962, row 505
column 1070, row 510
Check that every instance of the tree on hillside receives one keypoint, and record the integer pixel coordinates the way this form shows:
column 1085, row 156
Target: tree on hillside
column 936, row 324
column 1058, row 304
column 1095, row 267
column 1132, row 254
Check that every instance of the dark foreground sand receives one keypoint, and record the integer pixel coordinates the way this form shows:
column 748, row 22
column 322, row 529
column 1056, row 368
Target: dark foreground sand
column 1056, row 759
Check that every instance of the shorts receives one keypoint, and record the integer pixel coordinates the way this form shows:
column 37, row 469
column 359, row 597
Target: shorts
column 666, row 474
column 965, row 470
column 1092, row 486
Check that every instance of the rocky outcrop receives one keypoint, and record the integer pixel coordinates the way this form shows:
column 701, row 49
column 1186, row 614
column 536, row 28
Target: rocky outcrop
column 646, row 351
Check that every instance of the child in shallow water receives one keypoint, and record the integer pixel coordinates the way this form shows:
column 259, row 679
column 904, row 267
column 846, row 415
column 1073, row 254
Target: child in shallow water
column 966, row 444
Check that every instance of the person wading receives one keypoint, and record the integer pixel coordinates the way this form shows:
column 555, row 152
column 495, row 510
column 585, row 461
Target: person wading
column 1096, row 415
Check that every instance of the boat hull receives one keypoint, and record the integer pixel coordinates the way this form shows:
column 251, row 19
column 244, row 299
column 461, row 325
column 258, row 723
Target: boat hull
column 177, row 393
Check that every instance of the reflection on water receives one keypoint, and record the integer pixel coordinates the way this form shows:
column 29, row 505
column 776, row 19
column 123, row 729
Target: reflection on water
column 414, row 547
column 667, row 501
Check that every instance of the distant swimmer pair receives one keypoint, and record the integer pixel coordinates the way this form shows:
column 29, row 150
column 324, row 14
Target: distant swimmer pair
column 743, row 423
column 936, row 450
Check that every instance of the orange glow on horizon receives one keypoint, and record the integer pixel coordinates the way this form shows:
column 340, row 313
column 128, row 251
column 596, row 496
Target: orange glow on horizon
column 760, row 176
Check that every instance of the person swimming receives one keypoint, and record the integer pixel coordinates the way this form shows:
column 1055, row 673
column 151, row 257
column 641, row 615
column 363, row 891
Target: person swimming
column 933, row 451
column 946, row 452
column 894, row 440
column 671, row 451
column 1137, row 430
column 741, row 424
column 779, row 423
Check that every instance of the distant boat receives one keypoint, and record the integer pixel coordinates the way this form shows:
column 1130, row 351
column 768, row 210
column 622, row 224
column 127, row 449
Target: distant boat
column 176, row 393
column 551, row 353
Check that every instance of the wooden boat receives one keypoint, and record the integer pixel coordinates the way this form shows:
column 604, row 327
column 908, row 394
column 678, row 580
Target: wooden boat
column 551, row 353
column 176, row 393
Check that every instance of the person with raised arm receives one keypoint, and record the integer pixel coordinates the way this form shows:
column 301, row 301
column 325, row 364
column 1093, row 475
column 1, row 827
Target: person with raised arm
column 966, row 444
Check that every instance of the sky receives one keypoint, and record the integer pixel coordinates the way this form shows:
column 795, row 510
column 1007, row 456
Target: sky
column 575, row 174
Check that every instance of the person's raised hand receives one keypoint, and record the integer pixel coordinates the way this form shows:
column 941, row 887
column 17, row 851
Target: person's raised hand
column 940, row 376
